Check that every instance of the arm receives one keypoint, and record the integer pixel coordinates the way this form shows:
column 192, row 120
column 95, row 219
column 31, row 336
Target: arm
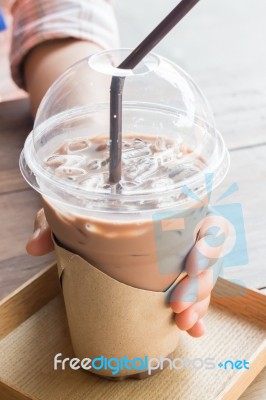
column 50, row 35
column 47, row 61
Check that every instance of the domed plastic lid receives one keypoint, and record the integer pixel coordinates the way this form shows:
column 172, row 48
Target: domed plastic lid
column 169, row 137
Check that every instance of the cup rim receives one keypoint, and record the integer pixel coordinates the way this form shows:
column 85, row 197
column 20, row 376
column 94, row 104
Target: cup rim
column 32, row 172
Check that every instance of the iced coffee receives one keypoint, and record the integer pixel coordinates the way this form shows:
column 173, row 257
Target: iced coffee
column 133, row 251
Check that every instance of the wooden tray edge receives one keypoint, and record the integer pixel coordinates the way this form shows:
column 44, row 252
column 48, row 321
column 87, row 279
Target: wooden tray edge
column 9, row 392
column 28, row 298
column 238, row 387
column 248, row 302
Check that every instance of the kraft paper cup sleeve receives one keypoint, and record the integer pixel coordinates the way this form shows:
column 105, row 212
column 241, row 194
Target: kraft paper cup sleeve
column 108, row 318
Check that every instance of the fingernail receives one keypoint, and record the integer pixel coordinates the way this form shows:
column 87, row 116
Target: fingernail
column 189, row 298
column 194, row 317
column 35, row 234
column 203, row 263
column 203, row 327
column 188, row 294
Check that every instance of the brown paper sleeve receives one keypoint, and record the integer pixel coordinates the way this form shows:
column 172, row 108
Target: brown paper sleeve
column 108, row 318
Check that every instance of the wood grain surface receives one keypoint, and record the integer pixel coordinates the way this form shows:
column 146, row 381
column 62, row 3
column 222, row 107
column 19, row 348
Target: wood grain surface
column 28, row 298
column 18, row 203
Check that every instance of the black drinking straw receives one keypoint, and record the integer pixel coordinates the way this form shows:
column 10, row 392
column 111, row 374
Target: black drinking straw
column 117, row 84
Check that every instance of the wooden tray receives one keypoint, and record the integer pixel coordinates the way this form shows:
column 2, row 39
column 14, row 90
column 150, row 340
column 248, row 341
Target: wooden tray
column 34, row 329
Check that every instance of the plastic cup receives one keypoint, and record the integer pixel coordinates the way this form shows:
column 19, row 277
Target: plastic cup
column 140, row 231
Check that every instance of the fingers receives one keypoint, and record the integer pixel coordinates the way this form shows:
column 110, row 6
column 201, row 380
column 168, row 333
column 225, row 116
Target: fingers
column 202, row 257
column 40, row 242
column 187, row 319
column 209, row 247
column 194, row 289
column 191, row 297
column 197, row 330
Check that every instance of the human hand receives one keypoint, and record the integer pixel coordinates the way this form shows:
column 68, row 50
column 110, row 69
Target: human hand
column 191, row 297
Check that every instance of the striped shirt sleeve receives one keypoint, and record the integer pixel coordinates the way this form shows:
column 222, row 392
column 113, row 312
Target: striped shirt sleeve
column 36, row 21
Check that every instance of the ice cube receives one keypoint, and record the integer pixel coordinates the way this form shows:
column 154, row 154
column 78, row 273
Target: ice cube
column 78, row 144
column 135, row 148
column 165, row 156
column 182, row 172
column 128, row 185
column 101, row 147
column 159, row 144
column 92, row 182
column 132, row 144
column 55, row 160
column 97, row 164
column 129, row 170
column 65, row 171
column 140, row 170
column 149, row 167
column 136, row 153
column 161, row 183
column 74, row 161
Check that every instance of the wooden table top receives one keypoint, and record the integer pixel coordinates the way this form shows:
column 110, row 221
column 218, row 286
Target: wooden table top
column 224, row 53
column 18, row 203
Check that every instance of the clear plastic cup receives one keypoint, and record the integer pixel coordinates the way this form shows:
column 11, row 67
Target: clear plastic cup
column 140, row 230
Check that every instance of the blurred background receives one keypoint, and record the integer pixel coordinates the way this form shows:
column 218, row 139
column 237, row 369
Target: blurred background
column 8, row 90
column 220, row 43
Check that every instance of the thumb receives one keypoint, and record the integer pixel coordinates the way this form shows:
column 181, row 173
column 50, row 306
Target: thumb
column 40, row 242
